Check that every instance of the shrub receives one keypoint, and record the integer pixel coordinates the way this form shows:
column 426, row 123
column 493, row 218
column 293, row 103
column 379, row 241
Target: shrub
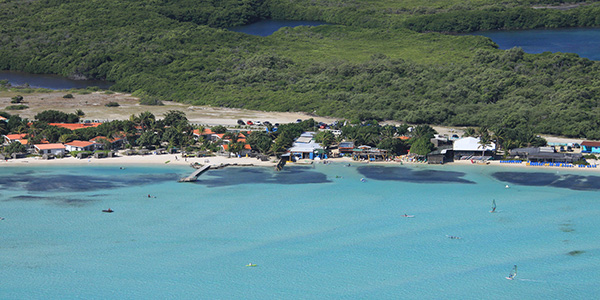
column 112, row 104
column 589, row 156
column 68, row 96
column 16, row 99
column 16, row 107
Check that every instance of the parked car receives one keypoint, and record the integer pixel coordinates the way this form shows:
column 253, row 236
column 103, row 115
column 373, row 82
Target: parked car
column 276, row 125
column 249, row 123
column 299, row 120
column 240, row 122
column 266, row 123
column 258, row 123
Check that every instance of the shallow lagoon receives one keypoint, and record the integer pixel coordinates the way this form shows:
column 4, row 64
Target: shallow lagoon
column 320, row 237
column 583, row 41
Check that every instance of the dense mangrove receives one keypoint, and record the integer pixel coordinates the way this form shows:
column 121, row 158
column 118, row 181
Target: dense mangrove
column 380, row 60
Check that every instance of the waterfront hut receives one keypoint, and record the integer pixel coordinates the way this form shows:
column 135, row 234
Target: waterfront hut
column 590, row 147
column 440, row 156
column 55, row 149
column 346, row 147
column 365, row 152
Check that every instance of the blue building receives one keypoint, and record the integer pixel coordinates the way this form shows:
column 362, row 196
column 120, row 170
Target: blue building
column 590, row 147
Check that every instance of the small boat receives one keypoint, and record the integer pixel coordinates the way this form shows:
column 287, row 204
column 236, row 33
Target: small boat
column 493, row 206
column 107, row 210
column 408, row 216
column 512, row 274
column 251, row 265
column 453, row 237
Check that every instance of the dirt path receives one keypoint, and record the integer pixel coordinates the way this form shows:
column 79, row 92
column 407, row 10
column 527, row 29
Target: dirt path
column 93, row 105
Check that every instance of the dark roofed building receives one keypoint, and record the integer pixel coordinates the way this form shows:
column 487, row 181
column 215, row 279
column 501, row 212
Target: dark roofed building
column 544, row 154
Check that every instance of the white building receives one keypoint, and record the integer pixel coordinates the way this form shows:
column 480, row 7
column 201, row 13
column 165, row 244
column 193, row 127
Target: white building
column 56, row 149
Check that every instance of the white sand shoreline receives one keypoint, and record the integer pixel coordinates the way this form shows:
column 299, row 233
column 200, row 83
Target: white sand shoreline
column 177, row 160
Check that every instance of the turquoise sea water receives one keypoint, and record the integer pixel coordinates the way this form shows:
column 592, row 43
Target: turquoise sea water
column 311, row 235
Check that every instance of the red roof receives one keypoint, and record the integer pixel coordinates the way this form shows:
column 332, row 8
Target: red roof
column 2, row 118
column 16, row 136
column 81, row 144
column 246, row 146
column 49, row 146
column 590, row 144
column 74, row 126
column 98, row 138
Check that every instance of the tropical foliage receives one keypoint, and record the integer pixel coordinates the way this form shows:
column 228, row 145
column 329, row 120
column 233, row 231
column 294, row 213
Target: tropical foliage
column 374, row 64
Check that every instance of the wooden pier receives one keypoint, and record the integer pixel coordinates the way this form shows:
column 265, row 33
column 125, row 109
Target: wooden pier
column 192, row 177
column 201, row 169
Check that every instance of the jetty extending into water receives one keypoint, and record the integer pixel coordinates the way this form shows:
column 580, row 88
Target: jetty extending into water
column 200, row 169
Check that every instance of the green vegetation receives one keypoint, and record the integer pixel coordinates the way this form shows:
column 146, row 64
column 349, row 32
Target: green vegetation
column 112, row 104
column 16, row 107
column 374, row 64
column 16, row 99
column 55, row 116
column 68, row 96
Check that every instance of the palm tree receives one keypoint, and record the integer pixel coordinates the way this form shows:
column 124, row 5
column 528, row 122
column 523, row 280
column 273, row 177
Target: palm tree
column 469, row 132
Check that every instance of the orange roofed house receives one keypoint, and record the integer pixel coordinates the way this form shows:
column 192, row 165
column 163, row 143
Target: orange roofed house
column 56, row 149
column 81, row 146
column 75, row 126
column 9, row 138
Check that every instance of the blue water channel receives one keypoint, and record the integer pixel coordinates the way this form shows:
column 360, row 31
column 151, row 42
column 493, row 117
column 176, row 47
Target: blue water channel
column 47, row 81
column 268, row 27
column 583, row 41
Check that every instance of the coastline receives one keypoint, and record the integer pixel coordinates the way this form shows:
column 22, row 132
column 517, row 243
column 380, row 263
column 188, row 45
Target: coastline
column 177, row 160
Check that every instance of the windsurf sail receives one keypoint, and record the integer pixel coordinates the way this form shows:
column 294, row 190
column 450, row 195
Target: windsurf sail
column 513, row 273
column 493, row 206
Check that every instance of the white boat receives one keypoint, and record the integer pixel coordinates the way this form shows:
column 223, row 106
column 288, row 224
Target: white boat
column 512, row 274
column 408, row 216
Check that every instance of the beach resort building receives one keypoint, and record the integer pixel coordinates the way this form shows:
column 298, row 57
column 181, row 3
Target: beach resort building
column 467, row 147
column 17, row 137
column 369, row 153
column 81, row 146
column 54, row 149
column 116, row 143
column 544, row 154
column 305, row 147
column 590, row 147
column 346, row 148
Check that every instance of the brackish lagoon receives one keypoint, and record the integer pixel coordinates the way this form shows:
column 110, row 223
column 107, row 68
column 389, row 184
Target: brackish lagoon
column 268, row 27
column 583, row 41
column 47, row 81
column 314, row 232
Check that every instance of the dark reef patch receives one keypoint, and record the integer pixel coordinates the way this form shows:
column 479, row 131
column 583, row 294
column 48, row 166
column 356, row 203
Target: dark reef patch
column 566, row 181
column 412, row 175
column 77, row 183
column 575, row 252
column 55, row 200
column 237, row 176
